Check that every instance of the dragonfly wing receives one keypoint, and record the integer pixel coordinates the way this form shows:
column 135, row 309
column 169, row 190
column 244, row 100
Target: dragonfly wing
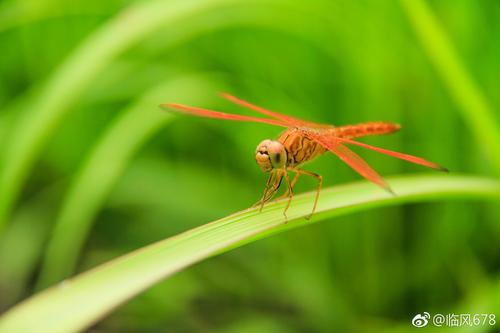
column 406, row 157
column 291, row 121
column 351, row 159
column 220, row 115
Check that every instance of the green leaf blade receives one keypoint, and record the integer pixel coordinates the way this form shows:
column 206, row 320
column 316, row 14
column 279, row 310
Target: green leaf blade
column 79, row 302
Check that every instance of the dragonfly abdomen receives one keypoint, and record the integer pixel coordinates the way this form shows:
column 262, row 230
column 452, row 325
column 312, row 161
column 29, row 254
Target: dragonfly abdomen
column 364, row 129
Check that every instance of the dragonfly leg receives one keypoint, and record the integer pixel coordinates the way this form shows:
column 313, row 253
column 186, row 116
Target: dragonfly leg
column 275, row 187
column 271, row 192
column 272, row 186
column 318, row 190
column 294, row 180
column 290, row 193
column 268, row 183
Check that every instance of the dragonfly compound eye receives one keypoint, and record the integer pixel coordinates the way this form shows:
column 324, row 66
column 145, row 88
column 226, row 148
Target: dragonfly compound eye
column 270, row 155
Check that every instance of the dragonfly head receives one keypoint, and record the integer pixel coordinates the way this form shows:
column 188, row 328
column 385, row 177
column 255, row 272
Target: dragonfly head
column 270, row 155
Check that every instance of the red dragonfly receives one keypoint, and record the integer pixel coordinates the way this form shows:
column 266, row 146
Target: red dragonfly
column 302, row 141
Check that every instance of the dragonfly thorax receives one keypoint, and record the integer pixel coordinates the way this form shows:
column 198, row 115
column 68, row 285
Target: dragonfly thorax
column 270, row 155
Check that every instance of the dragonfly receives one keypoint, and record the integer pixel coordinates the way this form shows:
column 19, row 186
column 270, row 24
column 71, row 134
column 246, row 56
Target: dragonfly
column 301, row 142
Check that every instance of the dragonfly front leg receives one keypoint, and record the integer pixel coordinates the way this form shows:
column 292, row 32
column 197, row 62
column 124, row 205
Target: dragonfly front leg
column 273, row 189
column 266, row 189
column 272, row 186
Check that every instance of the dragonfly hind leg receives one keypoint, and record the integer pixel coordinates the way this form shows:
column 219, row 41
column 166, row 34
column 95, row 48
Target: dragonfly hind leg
column 289, row 192
column 319, row 178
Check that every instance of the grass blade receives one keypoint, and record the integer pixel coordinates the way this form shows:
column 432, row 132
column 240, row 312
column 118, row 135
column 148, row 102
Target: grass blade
column 102, row 289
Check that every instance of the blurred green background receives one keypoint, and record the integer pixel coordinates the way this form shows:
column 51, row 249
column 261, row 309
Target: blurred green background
column 92, row 168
